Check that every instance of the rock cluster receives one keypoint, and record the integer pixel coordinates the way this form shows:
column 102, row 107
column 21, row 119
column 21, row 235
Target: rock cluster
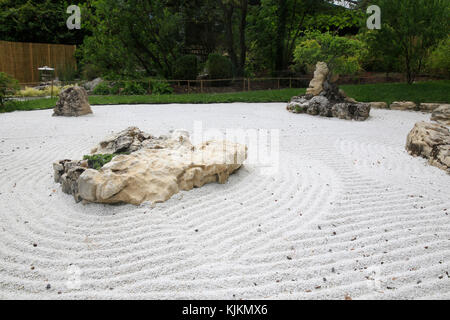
column 430, row 141
column 378, row 105
column 324, row 98
column 72, row 102
column 442, row 114
column 67, row 173
column 403, row 105
column 406, row 105
column 428, row 107
column 156, row 168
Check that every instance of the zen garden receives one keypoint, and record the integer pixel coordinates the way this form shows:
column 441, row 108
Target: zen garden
column 225, row 150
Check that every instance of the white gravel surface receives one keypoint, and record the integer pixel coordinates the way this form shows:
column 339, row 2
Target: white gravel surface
column 348, row 213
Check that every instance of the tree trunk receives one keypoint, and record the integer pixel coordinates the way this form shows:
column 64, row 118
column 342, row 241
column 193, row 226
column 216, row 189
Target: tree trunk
column 280, row 62
column 242, row 27
column 228, row 13
column 409, row 75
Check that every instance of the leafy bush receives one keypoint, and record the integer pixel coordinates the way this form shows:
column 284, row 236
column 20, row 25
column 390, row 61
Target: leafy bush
column 102, row 89
column 8, row 86
column 68, row 72
column 30, row 92
column 90, row 72
column 161, row 87
column 186, row 68
column 439, row 60
column 219, row 67
column 117, row 87
column 97, row 161
column 133, row 88
column 47, row 91
column 343, row 55
column 56, row 90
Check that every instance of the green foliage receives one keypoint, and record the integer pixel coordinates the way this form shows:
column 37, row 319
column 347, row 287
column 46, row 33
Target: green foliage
column 161, row 87
column 133, row 35
column 439, row 60
column 186, row 68
column 342, row 54
column 133, row 88
column 97, row 161
column 42, row 20
column 102, row 88
column 431, row 91
column 67, row 72
column 219, row 67
column 274, row 28
column 8, row 86
column 336, row 20
column 409, row 28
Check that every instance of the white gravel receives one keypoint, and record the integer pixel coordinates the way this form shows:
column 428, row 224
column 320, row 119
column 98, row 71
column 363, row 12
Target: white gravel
column 348, row 214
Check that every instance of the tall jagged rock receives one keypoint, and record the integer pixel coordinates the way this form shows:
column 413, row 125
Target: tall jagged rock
column 324, row 98
column 320, row 76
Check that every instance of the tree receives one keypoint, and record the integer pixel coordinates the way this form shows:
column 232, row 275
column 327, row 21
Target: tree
column 133, row 35
column 235, row 13
column 439, row 60
column 38, row 21
column 341, row 54
column 276, row 25
column 410, row 29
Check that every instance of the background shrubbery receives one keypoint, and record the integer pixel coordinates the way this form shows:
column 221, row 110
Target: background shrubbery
column 219, row 67
column 186, row 68
column 439, row 60
column 8, row 85
column 342, row 54
column 129, row 88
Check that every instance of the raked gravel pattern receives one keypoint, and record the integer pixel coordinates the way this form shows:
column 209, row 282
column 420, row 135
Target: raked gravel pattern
column 348, row 215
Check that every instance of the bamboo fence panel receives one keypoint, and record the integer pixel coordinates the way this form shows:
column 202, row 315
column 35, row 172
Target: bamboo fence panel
column 22, row 59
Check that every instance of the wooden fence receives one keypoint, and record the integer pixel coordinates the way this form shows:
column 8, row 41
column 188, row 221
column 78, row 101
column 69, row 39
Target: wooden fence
column 22, row 59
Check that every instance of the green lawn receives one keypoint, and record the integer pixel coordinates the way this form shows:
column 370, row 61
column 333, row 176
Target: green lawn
column 432, row 91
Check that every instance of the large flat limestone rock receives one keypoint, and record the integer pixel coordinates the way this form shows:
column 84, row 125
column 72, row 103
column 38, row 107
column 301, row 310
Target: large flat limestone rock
column 152, row 169
column 156, row 175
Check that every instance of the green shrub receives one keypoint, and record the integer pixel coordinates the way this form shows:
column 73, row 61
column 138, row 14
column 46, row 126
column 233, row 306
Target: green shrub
column 219, row 67
column 102, row 89
column 8, row 86
column 161, row 87
column 133, row 88
column 186, row 68
column 117, row 87
column 68, row 72
column 97, row 161
column 439, row 60
column 343, row 55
